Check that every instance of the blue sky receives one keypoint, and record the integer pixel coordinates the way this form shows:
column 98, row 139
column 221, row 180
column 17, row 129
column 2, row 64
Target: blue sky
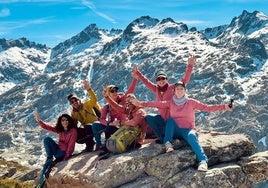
column 53, row 21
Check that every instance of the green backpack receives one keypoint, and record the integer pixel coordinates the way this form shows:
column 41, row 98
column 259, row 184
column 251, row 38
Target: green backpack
column 123, row 138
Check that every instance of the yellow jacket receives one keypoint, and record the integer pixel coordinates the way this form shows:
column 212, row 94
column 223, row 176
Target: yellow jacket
column 85, row 114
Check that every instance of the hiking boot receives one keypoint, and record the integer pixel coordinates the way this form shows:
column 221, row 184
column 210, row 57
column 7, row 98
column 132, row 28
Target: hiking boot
column 169, row 147
column 157, row 141
column 203, row 166
column 98, row 148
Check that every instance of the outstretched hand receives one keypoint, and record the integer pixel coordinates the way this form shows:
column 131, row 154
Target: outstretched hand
column 86, row 85
column 191, row 60
column 228, row 108
column 135, row 102
column 134, row 72
column 105, row 91
column 36, row 116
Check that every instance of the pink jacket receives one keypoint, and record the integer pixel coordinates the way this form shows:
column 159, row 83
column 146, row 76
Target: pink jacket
column 113, row 113
column 184, row 115
column 168, row 94
column 66, row 140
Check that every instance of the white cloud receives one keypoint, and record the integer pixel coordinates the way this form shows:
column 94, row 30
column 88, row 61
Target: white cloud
column 6, row 27
column 92, row 7
column 4, row 12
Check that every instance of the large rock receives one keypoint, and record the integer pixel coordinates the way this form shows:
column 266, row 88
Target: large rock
column 230, row 165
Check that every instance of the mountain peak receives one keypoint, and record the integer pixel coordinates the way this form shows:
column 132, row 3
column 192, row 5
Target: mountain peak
column 21, row 43
column 247, row 22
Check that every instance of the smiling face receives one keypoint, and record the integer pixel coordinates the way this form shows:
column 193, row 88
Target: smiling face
column 179, row 91
column 64, row 123
column 76, row 103
column 161, row 80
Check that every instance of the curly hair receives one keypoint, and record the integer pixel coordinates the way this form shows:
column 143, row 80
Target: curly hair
column 71, row 124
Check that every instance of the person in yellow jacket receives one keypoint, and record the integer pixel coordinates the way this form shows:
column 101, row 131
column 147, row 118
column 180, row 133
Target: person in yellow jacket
column 84, row 113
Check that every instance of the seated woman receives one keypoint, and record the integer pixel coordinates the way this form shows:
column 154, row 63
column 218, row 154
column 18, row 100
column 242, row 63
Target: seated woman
column 66, row 129
column 135, row 115
column 181, row 123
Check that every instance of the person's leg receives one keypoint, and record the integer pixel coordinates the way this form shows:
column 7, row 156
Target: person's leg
column 169, row 130
column 109, row 131
column 97, row 129
column 191, row 138
column 89, row 138
column 157, row 123
column 51, row 148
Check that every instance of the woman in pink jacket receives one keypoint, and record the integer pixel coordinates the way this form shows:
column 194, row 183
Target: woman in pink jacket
column 66, row 129
column 163, row 91
column 181, row 123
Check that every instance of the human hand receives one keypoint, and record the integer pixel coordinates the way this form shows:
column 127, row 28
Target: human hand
column 191, row 60
column 116, row 123
column 135, row 102
column 228, row 108
column 105, row 91
column 86, row 85
column 134, row 72
column 36, row 116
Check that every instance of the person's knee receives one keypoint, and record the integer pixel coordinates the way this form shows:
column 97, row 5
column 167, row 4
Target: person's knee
column 192, row 136
column 47, row 140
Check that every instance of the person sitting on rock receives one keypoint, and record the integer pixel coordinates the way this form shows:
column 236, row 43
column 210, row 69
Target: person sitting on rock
column 66, row 129
column 163, row 90
column 109, row 115
column 135, row 115
column 84, row 113
column 181, row 123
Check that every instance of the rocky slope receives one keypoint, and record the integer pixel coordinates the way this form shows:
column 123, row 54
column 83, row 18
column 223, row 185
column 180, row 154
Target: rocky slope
column 231, row 164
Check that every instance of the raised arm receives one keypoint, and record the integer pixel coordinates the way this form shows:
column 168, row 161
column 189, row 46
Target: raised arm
column 150, row 85
column 43, row 124
column 114, row 104
column 93, row 97
column 186, row 77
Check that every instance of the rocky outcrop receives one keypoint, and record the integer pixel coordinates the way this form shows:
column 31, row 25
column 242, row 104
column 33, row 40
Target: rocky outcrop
column 231, row 164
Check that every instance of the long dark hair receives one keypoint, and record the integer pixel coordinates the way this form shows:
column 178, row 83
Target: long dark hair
column 71, row 124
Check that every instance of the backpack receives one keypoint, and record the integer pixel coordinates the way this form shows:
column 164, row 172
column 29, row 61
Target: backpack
column 97, row 109
column 123, row 138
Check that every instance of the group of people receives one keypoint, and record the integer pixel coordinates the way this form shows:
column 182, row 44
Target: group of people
column 175, row 120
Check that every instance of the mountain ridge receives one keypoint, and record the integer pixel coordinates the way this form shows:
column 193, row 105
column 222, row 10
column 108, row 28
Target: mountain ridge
column 229, row 64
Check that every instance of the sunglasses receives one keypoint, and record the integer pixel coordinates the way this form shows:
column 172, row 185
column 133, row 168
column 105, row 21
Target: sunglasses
column 64, row 119
column 113, row 90
column 160, row 78
column 73, row 101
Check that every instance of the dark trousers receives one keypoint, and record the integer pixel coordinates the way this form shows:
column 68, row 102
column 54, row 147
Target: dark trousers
column 85, row 136
column 98, row 128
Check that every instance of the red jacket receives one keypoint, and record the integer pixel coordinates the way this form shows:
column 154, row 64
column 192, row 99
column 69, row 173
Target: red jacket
column 111, row 112
column 66, row 139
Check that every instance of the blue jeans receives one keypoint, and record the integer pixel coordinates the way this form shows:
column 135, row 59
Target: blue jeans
column 157, row 123
column 52, row 149
column 98, row 128
column 189, row 135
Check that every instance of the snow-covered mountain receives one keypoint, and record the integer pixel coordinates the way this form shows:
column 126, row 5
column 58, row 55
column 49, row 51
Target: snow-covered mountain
column 232, row 63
